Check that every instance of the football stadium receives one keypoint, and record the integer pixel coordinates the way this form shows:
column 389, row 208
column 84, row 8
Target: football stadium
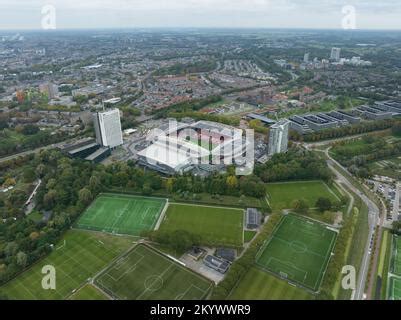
column 182, row 147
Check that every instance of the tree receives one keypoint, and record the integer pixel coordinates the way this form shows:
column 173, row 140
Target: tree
column 22, row 259
column 396, row 129
column 85, row 196
column 41, row 170
column 170, row 185
column 10, row 182
column 29, row 175
column 30, row 130
column 323, row 204
column 11, row 248
column 397, row 227
column 300, row 206
column 94, row 184
column 49, row 200
column 232, row 182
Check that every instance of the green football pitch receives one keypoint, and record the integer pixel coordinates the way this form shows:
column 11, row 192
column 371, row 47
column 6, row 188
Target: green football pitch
column 395, row 288
column 396, row 255
column 298, row 251
column 88, row 292
column 77, row 257
column 122, row 214
column 282, row 195
column 260, row 285
column 216, row 225
column 145, row 274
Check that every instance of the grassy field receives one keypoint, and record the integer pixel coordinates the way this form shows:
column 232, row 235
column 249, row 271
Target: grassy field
column 122, row 214
column 249, row 235
column 384, row 262
column 351, row 148
column 88, row 292
column 260, row 285
column 395, row 288
column 396, row 259
column 79, row 256
column 145, row 274
column 298, row 251
column 219, row 226
column 282, row 195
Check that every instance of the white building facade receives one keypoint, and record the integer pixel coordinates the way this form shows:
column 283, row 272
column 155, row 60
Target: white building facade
column 108, row 128
column 278, row 137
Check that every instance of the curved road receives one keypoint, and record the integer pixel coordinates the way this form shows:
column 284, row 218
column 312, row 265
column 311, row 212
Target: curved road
column 373, row 221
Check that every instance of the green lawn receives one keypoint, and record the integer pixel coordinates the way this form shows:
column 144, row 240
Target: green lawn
column 77, row 257
column 298, row 251
column 249, row 235
column 88, row 292
column 216, row 226
column 351, row 148
column 145, row 274
column 260, row 285
column 122, row 214
column 282, row 195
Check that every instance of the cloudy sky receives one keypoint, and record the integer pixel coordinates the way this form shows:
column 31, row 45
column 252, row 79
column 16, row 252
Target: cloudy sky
column 369, row 14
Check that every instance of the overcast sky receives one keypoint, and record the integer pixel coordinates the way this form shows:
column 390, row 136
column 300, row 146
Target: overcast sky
column 370, row 14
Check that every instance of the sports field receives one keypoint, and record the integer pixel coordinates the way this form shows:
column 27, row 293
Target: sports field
column 145, row 274
column 282, row 195
column 216, row 225
column 395, row 288
column 396, row 264
column 298, row 251
column 79, row 256
column 122, row 214
column 260, row 285
column 88, row 292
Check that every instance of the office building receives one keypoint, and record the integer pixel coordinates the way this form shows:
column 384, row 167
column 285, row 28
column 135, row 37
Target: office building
column 108, row 128
column 335, row 54
column 278, row 138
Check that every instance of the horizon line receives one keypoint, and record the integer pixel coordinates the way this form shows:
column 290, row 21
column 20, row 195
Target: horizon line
column 193, row 28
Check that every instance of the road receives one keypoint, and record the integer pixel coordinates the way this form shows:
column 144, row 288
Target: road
column 25, row 153
column 373, row 221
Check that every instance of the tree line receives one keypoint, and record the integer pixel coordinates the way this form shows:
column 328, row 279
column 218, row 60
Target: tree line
column 355, row 129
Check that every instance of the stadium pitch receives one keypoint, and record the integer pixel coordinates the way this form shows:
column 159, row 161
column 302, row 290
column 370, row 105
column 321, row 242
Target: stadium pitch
column 396, row 259
column 146, row 274
column 298, row 251
column 122, row 214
